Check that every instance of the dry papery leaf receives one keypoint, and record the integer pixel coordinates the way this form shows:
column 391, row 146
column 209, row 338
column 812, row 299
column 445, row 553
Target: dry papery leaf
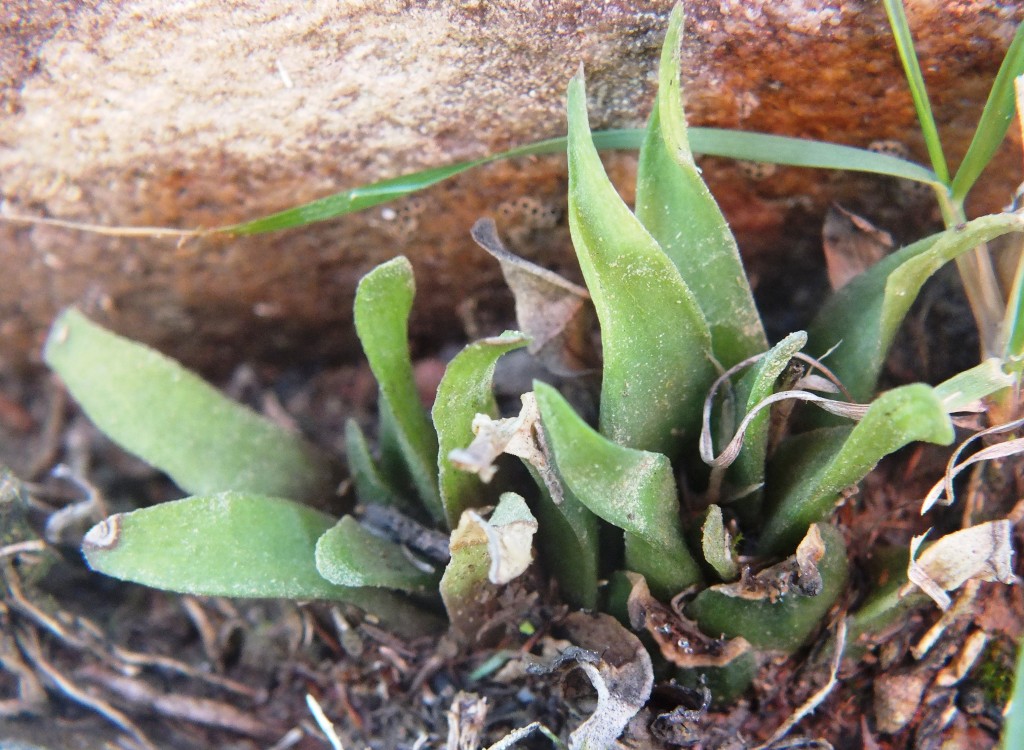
column 828, row 384
column 799, row 572
column 983, row 552
column 508, row 536
column 518, row 436
column 992, row 452
column 619, row 668
column 679, row 639
column 556, row 314
column 852, row 245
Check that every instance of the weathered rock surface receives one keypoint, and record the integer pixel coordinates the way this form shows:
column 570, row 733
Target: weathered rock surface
column 139, row 112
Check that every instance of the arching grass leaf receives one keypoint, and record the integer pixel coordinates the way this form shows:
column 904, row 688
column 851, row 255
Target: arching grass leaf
column 153, row 407
column 383, row 302
column 676, row 207
column 656, row 342
column 629, row 488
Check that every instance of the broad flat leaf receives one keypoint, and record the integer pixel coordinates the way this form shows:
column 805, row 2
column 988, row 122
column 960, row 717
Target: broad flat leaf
column 465, row 391
column 383, row 302
column 169, row 417
column 655, row 340
column 756, row 385
column 779, row 622
column 632, row 489
column 555, row 313
column 830, row 460
column 676, row 207
column 231, row 544
column 370, row 484
column 349, row 555
column 865, row 314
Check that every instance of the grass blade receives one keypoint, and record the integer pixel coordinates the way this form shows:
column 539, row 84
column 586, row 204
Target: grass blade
column 382, row 306
column 734, row 144
column 912, row 68
column 995, row 119
column 656, row 342
column 171, row 418
column 676, row 207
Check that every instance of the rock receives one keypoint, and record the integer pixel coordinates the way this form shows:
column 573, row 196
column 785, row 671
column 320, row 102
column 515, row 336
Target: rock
column 138, row 112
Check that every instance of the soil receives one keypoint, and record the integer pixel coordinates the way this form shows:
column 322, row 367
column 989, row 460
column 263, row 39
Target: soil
column 89, row 662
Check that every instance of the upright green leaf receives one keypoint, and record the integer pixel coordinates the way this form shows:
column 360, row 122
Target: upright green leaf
column 810, row 480
column 383, row 302
column 465, row 391
column 629, row 488
column 349, row 555
column 153, row 407
column 370, row 483
column 231, row 544
column 863, row 316
column 655, row 339
column 677, row 208
column 755, row 386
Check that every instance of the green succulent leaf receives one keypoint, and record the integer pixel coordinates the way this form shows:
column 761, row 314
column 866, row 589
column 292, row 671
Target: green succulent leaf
column 756, row 385
column 383, row 302
column 349, row 555
column 369, row 481
column 716, row 544
column 784, row 623
column 232, row 544
column 464, row 392
column 863, row 316
column 817, row 466
column 656, row 342
column 569, row 545
column 676, row 207
column 153, row 407
column 631, row 489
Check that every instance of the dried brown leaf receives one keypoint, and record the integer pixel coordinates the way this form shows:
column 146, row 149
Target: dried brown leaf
column 679, row 639
column 852, row 245
column 983, row 552
column 798, row 572
column 555, row 313
column 623, row 677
